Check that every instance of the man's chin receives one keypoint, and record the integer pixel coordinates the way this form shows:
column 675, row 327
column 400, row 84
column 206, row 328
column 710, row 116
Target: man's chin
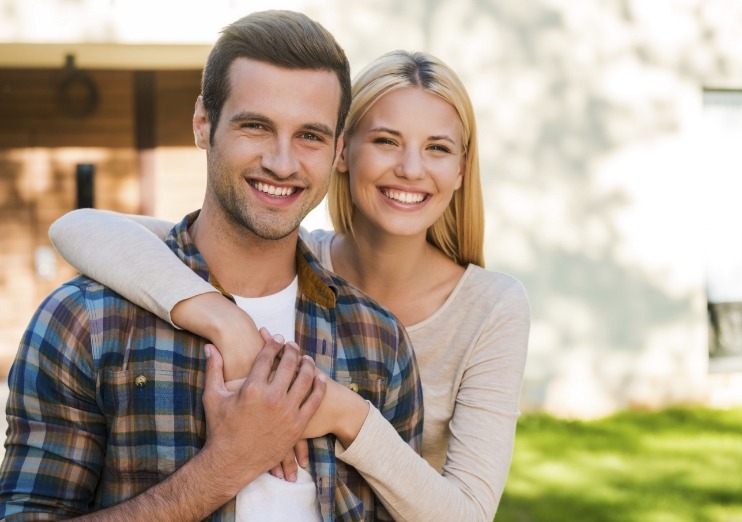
column 272, row 233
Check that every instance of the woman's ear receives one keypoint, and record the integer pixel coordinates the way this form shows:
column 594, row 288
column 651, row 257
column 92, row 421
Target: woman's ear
column 341, row 163
column 201, row 125
column 460, row 175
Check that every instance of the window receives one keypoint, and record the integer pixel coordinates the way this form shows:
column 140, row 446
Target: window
column 721, row 159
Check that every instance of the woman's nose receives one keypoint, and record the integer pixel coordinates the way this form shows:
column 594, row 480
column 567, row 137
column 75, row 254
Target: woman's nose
column 410, row 166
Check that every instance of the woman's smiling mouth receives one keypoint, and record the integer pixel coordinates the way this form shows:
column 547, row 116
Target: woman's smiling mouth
column 409, row 198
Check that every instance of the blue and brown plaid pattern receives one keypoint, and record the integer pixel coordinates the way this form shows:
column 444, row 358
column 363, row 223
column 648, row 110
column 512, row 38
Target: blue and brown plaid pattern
column 106, row 398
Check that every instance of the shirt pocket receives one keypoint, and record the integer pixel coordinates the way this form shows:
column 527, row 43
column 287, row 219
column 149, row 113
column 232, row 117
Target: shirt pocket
column 373, row 389
column 152, row 426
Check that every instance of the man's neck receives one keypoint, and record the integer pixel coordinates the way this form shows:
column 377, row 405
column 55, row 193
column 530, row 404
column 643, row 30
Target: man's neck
column 243, row 263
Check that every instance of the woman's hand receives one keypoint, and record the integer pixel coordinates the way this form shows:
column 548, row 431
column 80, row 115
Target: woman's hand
column 289, row 466
column 341, row 413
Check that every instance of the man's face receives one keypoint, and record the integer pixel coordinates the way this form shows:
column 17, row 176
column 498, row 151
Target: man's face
column 274, row 146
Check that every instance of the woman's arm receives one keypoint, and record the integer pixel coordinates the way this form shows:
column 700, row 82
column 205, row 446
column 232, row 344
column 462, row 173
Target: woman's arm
column 127, row 253
column 482, row 430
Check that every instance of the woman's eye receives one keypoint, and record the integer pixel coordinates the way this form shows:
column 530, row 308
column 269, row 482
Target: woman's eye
column 440, row 148
column 384, row 141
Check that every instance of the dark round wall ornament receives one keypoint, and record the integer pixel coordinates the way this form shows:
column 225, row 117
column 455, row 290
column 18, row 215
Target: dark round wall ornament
column 77, row 94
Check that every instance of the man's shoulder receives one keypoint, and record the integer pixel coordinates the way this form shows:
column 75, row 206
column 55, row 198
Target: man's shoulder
column 85, row 288
column 349, row 300
column 353, row 301
column 82, row 295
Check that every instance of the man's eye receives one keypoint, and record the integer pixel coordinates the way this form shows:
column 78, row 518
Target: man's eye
column 253, row 126
column 310, row 136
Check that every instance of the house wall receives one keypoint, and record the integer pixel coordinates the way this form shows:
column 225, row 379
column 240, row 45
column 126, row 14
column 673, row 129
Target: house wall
column 589, row 119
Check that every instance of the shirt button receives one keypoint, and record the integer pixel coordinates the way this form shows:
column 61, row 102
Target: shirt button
column 353, row 387
column 140, row 381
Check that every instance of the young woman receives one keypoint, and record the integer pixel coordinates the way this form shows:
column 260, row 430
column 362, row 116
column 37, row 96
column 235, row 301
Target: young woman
column 406, row 204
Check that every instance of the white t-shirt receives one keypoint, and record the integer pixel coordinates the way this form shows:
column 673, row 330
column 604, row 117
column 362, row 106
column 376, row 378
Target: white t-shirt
column 268, row 497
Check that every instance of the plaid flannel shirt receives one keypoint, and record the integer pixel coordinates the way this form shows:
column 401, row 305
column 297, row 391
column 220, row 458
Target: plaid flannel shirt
column 105, row 398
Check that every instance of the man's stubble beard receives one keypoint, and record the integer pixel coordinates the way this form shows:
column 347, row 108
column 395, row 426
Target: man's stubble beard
column 268, row 224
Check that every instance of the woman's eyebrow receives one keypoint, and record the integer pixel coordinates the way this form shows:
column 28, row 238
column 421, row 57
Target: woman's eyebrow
column 397, row 133
column 387, row 130
column 442, row 137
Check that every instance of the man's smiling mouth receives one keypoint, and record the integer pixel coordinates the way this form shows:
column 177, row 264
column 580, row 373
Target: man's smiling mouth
column 272, row 190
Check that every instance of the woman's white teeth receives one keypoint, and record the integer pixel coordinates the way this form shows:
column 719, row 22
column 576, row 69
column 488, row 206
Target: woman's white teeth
column 273, row 190
column 404, row 197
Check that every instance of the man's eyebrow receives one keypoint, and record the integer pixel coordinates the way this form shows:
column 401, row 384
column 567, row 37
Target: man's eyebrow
column 320, row 128
column 250, row 116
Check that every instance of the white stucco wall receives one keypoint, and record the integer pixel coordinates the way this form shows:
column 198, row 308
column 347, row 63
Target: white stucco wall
column 589, row 115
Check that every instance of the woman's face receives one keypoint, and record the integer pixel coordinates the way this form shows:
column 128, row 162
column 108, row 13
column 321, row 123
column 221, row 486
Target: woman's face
column 405, row 160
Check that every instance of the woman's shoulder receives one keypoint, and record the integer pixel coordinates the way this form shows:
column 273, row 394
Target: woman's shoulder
column 493, row 293
column 493, row 283
column 316, row 239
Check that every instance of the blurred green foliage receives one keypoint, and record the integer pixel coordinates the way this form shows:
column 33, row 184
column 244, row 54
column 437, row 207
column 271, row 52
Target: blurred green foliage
column 675, row 465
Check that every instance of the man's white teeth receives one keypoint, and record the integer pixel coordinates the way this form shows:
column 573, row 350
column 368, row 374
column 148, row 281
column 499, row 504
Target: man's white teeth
column 273, row 190
column 404, row 197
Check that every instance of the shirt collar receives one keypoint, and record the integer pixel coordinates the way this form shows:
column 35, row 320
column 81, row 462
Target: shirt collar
column 315, row 282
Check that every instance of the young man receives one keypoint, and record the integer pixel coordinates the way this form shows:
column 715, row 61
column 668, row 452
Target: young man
column 111, row 413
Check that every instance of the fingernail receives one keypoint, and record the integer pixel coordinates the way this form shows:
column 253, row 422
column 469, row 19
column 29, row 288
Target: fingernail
column 304, row 463
column 207, row 351
column 308, row 358
column 291, row 477
column 279, row 338
column 322, row 377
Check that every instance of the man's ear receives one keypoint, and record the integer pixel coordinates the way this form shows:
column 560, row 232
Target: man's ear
column 341, row 155
column 201, row 125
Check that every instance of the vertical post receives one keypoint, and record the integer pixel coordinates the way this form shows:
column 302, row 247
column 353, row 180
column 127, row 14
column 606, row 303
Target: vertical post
column 145, row 127
column 85, row 175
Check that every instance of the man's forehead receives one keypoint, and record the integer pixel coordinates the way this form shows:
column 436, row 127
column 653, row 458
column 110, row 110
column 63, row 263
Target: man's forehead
column 264, row 86
column 247, row 75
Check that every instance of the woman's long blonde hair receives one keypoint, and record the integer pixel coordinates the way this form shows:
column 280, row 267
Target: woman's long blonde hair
column 459, row 232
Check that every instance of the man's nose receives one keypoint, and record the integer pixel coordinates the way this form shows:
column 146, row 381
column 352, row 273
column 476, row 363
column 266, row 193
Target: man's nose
column 280, row 158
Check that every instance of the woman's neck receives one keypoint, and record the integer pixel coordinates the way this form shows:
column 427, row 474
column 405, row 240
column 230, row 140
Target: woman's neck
column 407, row 275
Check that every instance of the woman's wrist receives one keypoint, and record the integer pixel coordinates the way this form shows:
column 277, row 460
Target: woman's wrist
column 223, row 323
column 352, row 412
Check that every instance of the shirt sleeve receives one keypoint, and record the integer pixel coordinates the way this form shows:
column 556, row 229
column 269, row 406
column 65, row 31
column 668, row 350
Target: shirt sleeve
column 482, row 433
column 128, row 254
column 56, row 433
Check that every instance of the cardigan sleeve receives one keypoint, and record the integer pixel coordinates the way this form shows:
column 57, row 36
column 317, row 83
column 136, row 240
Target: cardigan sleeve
column 128, row 254
column 482, row 432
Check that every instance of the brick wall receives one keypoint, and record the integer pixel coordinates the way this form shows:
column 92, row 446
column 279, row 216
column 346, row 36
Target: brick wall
column 40, row 145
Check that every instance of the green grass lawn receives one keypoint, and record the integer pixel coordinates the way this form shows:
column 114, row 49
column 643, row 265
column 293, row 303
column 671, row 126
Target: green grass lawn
column 677, row 465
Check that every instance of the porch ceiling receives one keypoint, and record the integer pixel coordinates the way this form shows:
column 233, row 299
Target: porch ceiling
column 104, row 56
